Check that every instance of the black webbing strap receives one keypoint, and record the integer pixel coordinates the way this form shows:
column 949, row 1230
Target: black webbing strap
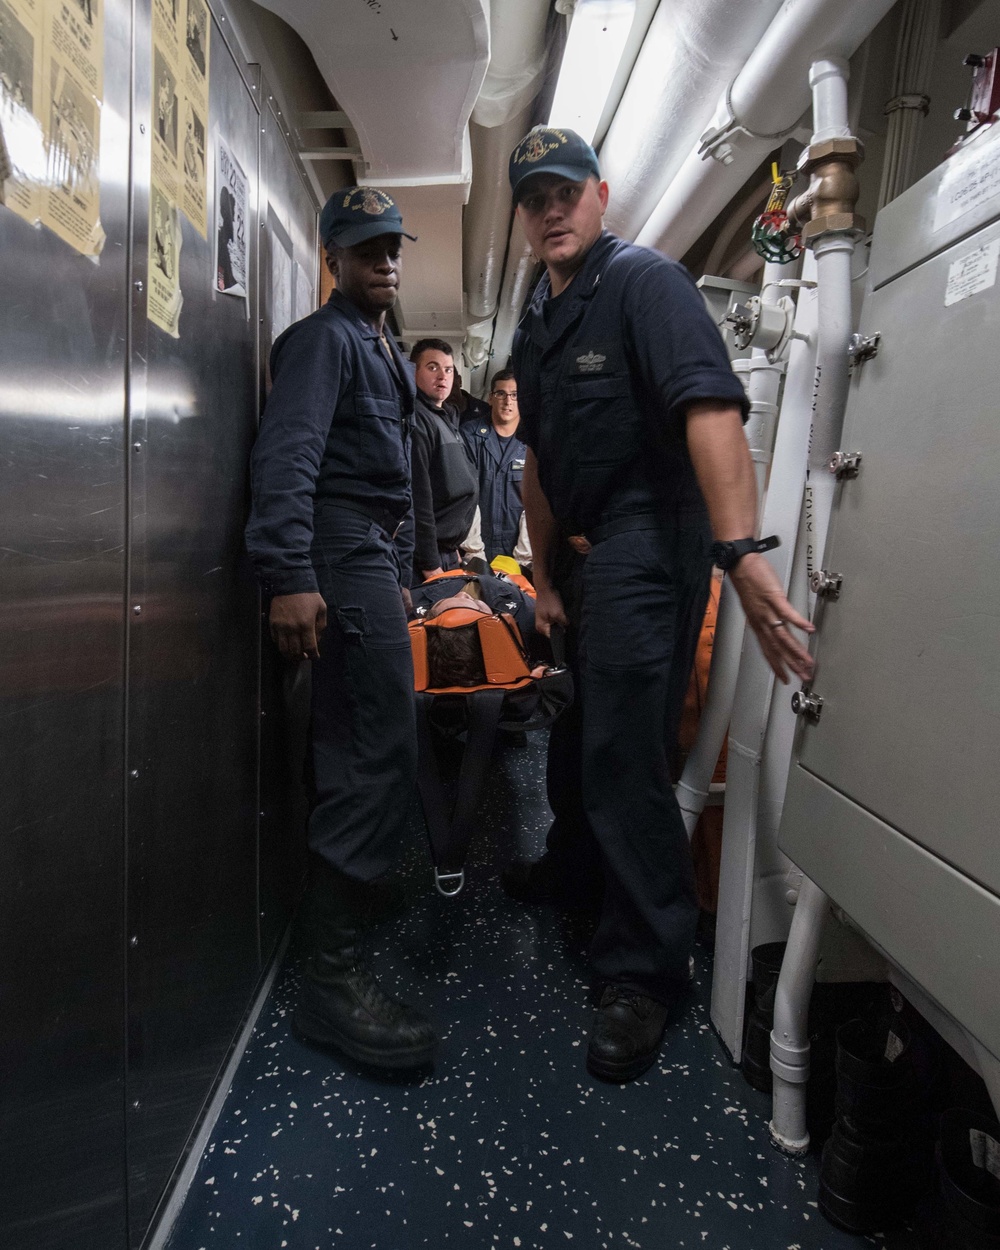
column 450, row 829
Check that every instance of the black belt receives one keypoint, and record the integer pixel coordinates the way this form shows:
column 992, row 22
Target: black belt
column 385, row 518
column 641, row 521
column 624, row 525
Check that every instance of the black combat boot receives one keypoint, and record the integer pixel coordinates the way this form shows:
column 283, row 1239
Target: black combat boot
column 341, row 1003
column 626, row 1035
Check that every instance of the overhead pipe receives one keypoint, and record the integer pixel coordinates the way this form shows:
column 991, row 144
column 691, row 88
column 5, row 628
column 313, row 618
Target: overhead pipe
column 910, row 100
column 757, row 110
column 502, row 114
column 691, row 50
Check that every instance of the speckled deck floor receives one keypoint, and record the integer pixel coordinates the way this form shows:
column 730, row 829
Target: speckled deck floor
column 509, row 1142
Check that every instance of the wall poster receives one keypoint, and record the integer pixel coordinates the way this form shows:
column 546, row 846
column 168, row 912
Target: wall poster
column 51, row 94
column 164, row 301
column 232, row 202
column 179, row 128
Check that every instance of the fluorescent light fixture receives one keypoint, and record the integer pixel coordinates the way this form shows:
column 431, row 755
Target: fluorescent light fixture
column 598, row 33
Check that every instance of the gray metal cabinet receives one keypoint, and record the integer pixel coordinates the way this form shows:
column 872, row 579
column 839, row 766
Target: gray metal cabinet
column 893, row 796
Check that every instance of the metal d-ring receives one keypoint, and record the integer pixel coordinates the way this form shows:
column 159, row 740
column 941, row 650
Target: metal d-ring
column 440, row 879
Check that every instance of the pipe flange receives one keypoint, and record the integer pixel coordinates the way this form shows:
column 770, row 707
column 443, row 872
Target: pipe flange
column 833, row 223
column 848, row 151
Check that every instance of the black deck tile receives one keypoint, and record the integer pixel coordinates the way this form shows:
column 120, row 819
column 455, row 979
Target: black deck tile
column 508, row 1142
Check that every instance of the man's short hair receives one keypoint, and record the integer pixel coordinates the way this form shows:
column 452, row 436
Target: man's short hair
column 455, row 656
column 430, row 345
column 503, row 375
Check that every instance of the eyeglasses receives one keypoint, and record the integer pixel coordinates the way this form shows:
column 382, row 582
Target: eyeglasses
column 504, row 396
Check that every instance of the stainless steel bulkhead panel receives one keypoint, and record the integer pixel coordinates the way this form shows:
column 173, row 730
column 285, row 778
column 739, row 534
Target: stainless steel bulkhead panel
column 193, row 957
column 63, row 327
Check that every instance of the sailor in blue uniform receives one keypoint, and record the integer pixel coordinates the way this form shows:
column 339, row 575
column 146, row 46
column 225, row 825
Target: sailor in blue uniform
column 633, row 421
column 498, row 454
column 331, row 485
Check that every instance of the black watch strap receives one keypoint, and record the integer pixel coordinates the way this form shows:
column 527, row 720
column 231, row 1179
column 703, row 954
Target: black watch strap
column 726, row 555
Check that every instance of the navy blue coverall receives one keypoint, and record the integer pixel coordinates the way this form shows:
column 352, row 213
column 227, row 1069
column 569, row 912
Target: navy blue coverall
column 500, row 465
column 330, row 476
column 605, row 373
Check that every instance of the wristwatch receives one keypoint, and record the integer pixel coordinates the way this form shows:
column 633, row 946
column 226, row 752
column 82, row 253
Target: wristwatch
column 727, row 555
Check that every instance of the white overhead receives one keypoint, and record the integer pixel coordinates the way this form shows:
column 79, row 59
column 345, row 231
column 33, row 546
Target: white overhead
column 407, row 73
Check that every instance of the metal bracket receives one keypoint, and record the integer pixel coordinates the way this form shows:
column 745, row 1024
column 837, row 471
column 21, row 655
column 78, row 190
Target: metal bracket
column 764, row 325
column 808, row 705
column 861, row 347
column 442, row 880
column 845, row 465
column 826, row 585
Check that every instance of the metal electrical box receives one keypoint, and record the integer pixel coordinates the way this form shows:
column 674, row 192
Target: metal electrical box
column 894, row 792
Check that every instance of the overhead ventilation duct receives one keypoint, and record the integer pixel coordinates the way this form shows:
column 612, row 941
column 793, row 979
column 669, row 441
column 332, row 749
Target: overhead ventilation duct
column 503, row 113
column 762, row 104
column 691, row 50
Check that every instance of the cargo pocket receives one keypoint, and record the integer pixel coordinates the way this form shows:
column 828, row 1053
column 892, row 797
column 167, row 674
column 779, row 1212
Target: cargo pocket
column 379, row 446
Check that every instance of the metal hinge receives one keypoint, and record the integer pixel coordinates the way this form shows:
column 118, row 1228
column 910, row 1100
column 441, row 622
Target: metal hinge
column 845, row 465
column 826, row 585
column 807, row 704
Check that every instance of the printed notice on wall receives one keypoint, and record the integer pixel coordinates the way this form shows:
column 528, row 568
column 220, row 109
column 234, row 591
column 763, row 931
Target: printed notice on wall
column 20, row 106
column 974, row 272
column 194, row 115
column 232, row 201
column 971, row 177
column 51, row 93
column 166, row 98
column 163, row 305
column 180, row 37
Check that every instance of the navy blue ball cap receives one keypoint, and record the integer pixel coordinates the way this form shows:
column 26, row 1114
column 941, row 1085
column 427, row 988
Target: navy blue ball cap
column 546, row 150
column 356, row 214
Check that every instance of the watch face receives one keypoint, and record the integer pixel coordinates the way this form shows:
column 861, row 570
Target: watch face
column 722, row 555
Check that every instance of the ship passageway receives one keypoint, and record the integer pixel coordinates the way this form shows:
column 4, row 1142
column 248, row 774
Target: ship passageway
column 508, row 1142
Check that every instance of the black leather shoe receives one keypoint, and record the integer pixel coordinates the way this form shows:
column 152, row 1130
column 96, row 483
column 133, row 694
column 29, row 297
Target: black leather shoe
column 626, row 1036
column 341, row 1004
column 545, row 881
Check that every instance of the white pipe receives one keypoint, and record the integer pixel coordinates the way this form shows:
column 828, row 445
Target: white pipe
column 790, row 1034
column 762, row 391
column 918, row 36
column 500, row 118
column 751, row 698
column 691, row 50
column 766, row 100
column 833, row 266
column 790, row 1039
column 487, row 217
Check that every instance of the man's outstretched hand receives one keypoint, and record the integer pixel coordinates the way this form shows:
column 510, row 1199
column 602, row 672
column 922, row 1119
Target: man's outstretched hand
column 771, row 617
column 296, row 624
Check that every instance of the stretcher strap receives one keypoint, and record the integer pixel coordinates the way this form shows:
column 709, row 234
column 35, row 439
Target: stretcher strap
column 450, row 829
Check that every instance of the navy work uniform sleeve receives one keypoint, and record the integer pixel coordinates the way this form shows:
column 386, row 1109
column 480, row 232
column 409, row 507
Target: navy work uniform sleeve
column 677, row 351
column 426, row 554
column 310, row 368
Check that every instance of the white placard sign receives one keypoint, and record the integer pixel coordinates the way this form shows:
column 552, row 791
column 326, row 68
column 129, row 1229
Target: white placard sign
column 970, row 178
column 975, row 271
